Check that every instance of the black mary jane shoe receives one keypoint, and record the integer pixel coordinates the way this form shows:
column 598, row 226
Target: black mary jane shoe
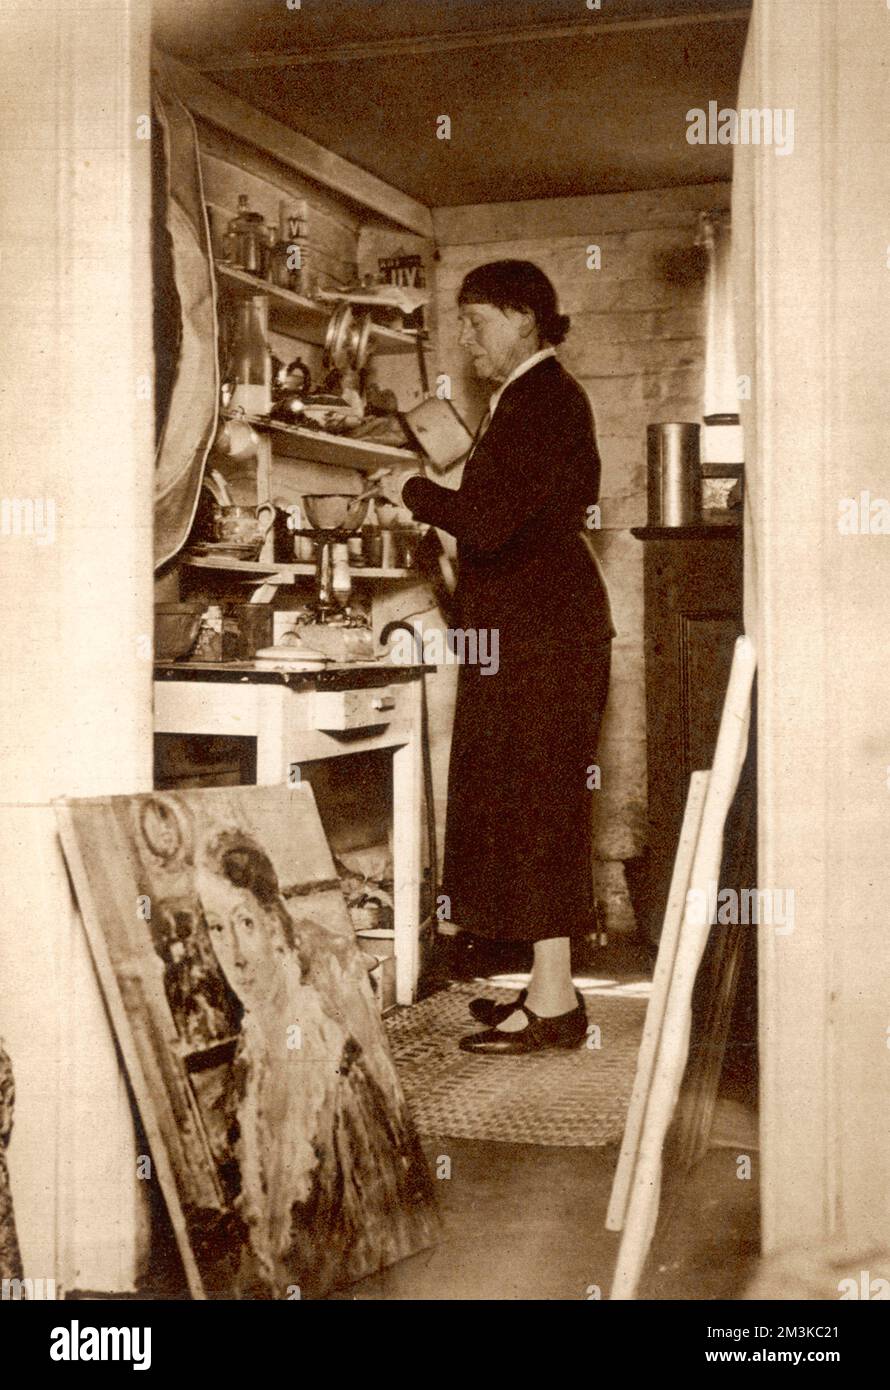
column 491, row 1014
column 539, row 1035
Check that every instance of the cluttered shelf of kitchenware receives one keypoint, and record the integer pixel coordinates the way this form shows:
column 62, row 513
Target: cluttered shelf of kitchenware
column 340, row 450
column 291, row 569
column 293, row 315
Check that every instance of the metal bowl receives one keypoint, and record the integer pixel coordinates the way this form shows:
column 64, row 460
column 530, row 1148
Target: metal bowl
column 334, row 511
column 176, row 628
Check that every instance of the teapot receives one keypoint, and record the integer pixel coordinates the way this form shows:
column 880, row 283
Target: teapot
column 291, row 385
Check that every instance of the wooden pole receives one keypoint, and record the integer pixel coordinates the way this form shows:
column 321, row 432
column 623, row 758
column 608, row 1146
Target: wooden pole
column 664, row 966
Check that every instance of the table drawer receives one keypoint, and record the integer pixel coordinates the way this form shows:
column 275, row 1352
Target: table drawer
column 354, row 709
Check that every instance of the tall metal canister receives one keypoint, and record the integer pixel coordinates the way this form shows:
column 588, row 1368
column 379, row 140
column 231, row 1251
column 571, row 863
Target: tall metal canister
column 674, row 473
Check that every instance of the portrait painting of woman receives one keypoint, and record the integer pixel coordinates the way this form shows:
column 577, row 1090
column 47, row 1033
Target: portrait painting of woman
column 328, row 1168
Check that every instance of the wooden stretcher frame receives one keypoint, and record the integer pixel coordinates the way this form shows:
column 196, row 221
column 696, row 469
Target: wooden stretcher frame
column 143, row 1085
column 637, row 1187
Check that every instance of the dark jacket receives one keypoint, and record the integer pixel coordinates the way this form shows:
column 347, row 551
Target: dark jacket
column 519, row 510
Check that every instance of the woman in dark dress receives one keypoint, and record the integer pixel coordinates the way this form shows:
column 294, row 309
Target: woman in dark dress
column 518, row 836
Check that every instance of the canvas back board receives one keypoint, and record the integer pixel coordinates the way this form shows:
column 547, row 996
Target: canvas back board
column 640, row 1194
column 245, row 1017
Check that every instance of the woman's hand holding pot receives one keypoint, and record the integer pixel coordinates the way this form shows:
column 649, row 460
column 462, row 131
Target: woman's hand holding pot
column 390, row 482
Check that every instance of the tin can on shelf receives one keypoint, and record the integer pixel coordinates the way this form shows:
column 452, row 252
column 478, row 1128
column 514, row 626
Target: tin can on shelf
column 674, row 473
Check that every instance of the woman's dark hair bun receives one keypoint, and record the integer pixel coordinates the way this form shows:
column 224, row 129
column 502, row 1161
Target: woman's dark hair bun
column 558, row 329
column 519, row 285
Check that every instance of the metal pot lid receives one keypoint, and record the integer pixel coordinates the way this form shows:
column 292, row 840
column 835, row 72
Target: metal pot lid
column 360, row 342
column 337, row 335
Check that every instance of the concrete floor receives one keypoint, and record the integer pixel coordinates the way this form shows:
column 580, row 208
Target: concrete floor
column 523, row 1221
column 526, row 1222
column 520, row 1221
column 708, row 1240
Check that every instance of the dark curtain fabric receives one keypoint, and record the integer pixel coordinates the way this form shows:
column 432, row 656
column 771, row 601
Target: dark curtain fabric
column 518, row 836
column 10, row 1256
column 185, row 332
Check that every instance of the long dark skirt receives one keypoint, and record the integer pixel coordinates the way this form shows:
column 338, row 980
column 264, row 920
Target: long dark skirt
column 518, row 851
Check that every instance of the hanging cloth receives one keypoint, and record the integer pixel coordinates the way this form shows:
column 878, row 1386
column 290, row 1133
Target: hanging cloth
column 187, row 372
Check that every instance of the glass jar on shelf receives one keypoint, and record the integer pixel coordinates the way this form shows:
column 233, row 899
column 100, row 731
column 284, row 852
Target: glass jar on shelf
column 248, row 240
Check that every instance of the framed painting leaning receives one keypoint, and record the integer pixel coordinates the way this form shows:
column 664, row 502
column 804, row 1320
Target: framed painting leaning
column 278, row 1130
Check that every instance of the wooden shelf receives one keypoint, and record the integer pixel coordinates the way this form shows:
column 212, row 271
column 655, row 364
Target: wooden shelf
column 295, row 316
column 289, row 313
column 291, row 569
column 340, row 450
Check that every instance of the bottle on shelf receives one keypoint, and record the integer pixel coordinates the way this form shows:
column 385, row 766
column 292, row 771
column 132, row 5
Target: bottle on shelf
column 250, row 360
column 248, row 240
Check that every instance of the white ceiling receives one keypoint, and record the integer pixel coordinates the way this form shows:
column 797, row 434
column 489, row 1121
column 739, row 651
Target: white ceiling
column 546, row 98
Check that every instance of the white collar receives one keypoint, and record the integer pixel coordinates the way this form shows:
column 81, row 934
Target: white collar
column 525, row 366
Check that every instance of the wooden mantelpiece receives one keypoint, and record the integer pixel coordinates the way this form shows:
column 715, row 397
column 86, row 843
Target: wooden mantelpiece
column 693, row 614
column 696, row 531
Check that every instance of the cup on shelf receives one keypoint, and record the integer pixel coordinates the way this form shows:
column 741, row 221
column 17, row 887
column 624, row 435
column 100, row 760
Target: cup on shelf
column 303, row 547
column 386, row 512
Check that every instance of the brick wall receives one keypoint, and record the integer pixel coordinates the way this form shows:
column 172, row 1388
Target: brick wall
column 636, row 345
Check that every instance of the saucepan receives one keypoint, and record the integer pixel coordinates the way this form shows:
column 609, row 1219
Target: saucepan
column 439, row 430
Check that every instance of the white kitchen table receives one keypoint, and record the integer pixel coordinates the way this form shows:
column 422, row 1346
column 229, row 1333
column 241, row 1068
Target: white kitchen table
column 301, row 717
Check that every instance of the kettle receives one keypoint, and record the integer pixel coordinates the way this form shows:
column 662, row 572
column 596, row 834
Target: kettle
column 291, row 385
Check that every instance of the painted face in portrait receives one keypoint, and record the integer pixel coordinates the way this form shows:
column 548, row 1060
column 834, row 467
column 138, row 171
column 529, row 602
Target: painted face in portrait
column 243, row 934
